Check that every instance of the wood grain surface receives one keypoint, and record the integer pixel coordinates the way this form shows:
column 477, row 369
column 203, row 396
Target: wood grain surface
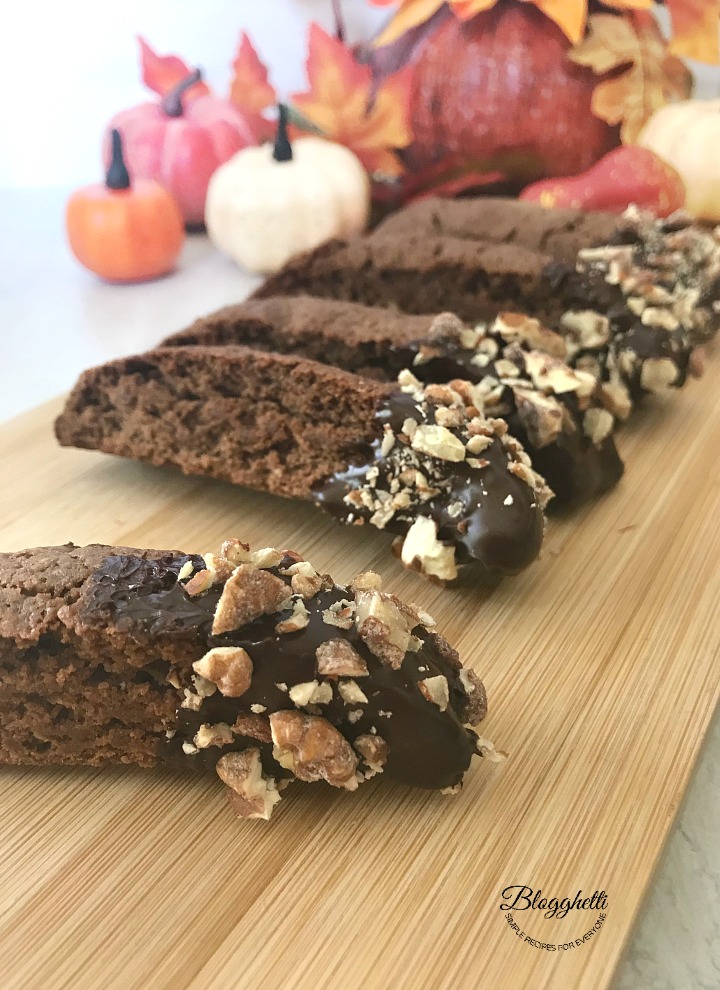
column 601, row 663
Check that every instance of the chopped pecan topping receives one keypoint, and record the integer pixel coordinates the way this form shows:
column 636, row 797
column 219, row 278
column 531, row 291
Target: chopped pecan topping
column 313, row 749
column 351, row 693
column 200, row 582
column 248, row 594
column 227, row 667
column 254, row 726
column 219, row 734
column 421, row 550
column 297, row 621
column 657, row 374
column 474, row 709
column 529, row 331
column 436, row 690
column 374, row 751
column 253, row 795
column 339, row 658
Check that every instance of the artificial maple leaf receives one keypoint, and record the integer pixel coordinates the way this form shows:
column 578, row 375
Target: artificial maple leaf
column 341, row 102
column 569, row 15
column 650, row 76
column 161, row 73
column 695, row 29
column 250, row 89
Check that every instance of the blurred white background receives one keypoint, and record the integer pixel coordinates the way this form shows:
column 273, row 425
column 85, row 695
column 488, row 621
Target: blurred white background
column 67, row 67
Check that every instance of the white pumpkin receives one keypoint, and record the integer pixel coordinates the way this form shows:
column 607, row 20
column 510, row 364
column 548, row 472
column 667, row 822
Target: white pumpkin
column 687, row 135
column 268, row 203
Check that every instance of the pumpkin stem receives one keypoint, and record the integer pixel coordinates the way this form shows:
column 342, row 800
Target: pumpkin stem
column 339, row 21
column 171, row 104
column 282, row 151
column 117, row 176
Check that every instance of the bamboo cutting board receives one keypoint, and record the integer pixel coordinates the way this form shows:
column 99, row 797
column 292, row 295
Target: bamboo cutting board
column 601, row 663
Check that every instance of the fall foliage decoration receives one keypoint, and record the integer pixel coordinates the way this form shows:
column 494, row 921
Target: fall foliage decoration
column 343, row 103
column 533, row 88
column 180, row 140
column 625, row 175
column 646, row 76
column 688, row 136
column 271, row 202
column 694, row 22
column 124, row 231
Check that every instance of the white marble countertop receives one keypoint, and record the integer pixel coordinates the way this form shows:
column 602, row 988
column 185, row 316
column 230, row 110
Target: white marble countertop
column 56, row 319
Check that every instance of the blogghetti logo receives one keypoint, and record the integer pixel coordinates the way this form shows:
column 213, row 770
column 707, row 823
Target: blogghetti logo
column 575, row 919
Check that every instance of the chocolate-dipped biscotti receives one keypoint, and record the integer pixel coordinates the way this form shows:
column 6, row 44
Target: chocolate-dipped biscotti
column 635, row 309
column 249, row 664
column 677, row 254
column 421, row 462
column 563, row 419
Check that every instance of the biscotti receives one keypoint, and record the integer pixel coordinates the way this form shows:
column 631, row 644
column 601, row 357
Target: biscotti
column 560, row 232
column 453, row 484
column 639, row 306
column 563, row 419
column 672, row 263
column 251, row 665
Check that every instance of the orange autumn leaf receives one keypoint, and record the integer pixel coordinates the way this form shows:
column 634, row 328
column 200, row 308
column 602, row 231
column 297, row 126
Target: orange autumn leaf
column 161, row 73
column 250, row 90
column 342, row 104
column 694, row 22
column 648, row 77
column 695, row 29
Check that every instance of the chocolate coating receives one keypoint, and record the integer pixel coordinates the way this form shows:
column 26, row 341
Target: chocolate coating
column 500, row 523
column 574, row 467
column 427, row 747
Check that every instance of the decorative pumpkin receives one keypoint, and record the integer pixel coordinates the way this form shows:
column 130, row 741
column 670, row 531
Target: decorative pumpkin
column 181, row 144
column 499, row 93
column 624, row 176
column 124, row 232
column 687, row 135
column 269, row 203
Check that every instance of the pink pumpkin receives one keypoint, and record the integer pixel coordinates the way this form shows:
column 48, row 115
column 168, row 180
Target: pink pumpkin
column 181, row 143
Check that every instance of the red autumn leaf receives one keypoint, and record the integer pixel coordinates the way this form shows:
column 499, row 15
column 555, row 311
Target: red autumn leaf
column 250, row 90
column 342, row 104
column 161, row 72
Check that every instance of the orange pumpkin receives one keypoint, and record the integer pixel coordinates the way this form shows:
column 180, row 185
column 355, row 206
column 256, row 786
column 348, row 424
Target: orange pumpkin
column 124, row 233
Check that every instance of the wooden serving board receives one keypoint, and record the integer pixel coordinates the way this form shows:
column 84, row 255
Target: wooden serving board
column 601, row 664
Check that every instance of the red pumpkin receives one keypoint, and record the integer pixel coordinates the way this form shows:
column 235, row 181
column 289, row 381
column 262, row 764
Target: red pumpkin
column 124, row 232
column 624, row 176
column 181, row 143
column 498, row 93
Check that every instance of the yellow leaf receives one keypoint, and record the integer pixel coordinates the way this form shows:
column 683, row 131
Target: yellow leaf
column 341, row 102
column 695, row 29
column 410, row 14
column 649, row 76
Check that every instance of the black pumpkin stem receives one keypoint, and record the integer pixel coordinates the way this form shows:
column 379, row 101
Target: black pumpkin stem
column 171, row 104
column 282, row 151
column 117, row 176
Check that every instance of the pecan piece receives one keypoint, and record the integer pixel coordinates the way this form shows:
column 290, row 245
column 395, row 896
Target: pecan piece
column 252, row 794
column 228, row 667
column 248, row 594
column 338, row 658
column 374, row 751
column 313, row 749
column 474, row 708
